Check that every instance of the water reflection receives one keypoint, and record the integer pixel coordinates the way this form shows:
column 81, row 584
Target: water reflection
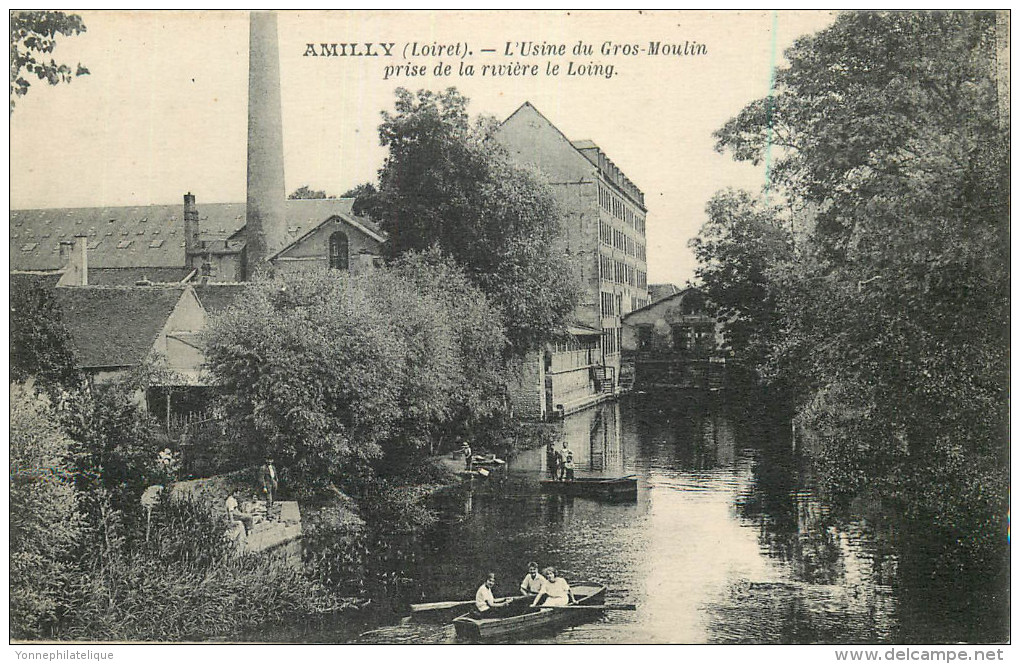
column 726, row 543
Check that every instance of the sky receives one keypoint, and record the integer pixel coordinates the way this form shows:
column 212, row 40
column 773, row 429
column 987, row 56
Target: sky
column 164, row 109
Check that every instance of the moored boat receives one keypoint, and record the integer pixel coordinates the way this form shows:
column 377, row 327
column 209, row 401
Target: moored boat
column 488, row 461
column 520, row 618
column 614, row 488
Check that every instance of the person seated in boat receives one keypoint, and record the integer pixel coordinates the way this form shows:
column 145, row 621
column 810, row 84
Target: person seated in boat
column 568, row 466
column 555, row 591
column 484, row 601
column 533, row 582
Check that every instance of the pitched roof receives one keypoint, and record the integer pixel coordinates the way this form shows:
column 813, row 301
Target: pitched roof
column 147, row 236
column 27, row 280
column 681, row 293
column 357, row 223
column 659, row 291
column 592, row 153
column 137, row 236
column 113, row 327
column 215, row 297
column 129, row 276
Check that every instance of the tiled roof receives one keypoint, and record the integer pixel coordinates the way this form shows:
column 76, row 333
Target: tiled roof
column 129, row 276
column 26, row 280
column 659, row 291
column 217, row 297
column 146, row 236
column 115, row 326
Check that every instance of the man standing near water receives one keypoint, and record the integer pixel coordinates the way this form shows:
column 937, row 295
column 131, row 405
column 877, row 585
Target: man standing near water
column 550, row 460
column 267, row 475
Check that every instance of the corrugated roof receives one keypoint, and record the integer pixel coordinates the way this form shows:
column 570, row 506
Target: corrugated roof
column 115, row 326
column 147, row 236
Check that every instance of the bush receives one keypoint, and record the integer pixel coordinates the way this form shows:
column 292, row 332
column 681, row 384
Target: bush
column 44, row 526
column 186, row 584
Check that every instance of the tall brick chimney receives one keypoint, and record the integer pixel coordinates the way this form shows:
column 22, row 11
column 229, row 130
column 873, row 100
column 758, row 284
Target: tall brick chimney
column 265, row 213
column 191, row 242
column 76, row 270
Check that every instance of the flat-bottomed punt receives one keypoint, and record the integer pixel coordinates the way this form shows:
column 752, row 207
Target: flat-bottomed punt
column 610, row 488
column 520, row 618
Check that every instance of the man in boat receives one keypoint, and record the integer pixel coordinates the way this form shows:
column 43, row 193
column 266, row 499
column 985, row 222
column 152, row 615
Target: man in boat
column 533, row 582
column 484, row 601
column 555, row 591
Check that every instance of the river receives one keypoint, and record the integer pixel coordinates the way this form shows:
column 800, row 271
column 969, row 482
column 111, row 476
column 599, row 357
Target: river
column 726, row 543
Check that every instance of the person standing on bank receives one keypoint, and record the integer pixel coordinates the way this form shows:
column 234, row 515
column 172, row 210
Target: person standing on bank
column 270, row 483
column 568, row 466
column 533, row 582
column 550, row 460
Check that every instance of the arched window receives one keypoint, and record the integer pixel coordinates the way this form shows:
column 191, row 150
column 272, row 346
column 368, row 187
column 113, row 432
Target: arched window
column 338, row 259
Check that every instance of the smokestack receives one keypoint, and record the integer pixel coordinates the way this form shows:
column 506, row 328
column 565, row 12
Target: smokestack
column 265, row 213
column 190, row 230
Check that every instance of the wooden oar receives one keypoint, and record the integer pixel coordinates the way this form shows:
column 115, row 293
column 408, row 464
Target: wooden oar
column 593, row 607
column 443, row 606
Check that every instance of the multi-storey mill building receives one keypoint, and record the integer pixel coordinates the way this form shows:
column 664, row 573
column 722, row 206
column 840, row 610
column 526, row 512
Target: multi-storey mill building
column 604, row 238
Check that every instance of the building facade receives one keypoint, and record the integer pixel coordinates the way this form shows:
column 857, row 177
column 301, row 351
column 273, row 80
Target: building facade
column 121, row 246
column 604, row 240
column 675, row 342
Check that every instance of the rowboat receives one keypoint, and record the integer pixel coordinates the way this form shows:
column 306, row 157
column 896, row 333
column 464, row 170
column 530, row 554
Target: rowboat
column 520, row 618
column 488, row 461
column 610, row 488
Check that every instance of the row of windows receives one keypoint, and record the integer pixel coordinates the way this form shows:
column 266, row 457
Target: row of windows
column 608, row 305
column 611, row 237
column 700, row 336
column 611, row 341
column 619, row 208
column 638, row 302
column 621, row 273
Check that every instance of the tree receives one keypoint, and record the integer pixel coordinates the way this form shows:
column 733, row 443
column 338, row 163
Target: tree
column 331, row 373
column 304, row 192
column 444, row 184
column 40, row 343
column 885, row 128
column 363, row 189
column 33, row 34
column 44, row 524
column 736, row 248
